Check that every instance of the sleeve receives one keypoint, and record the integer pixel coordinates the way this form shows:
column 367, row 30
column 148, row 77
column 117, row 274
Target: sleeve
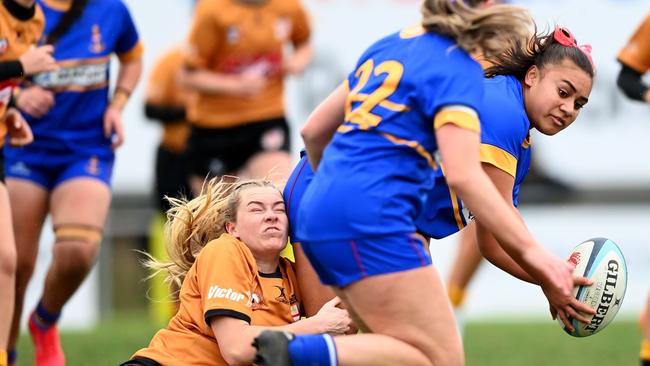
column 631, row 83
column 636, row 53
column 500, row 138
column 10, row 69
column 226, row 281
column 454, row 97
column 301, row 30
column 128, row 46
column 206, row 36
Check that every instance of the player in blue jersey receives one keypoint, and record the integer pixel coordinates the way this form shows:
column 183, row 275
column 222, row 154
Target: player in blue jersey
column 413, row 93
column 66, row 172
column 505, row 147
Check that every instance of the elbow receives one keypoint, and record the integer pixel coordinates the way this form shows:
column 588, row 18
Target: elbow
column 236, row 356
column 184, row 78
column 309, row 135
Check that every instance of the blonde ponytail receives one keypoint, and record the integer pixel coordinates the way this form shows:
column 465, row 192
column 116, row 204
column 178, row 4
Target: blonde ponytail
column 193, row 224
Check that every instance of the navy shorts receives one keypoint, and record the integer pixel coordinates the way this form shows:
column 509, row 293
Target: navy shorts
column 343, row 262
column 214, row 152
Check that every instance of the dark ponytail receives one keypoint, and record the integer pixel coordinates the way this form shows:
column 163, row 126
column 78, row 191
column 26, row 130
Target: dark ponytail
column 542, row 50
column 67, row 20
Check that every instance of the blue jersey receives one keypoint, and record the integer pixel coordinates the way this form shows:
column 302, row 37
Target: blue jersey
column 75, row 122
column 505, row 143
column 375, row 173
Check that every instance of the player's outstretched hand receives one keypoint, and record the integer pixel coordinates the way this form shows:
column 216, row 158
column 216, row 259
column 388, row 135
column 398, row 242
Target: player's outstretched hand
column 332, row 319
column 567, row 307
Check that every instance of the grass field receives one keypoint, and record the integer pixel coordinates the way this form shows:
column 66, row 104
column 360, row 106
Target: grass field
column 487, row 343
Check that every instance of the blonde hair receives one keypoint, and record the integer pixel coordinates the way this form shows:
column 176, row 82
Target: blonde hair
column 489, row 31
column 191, row 224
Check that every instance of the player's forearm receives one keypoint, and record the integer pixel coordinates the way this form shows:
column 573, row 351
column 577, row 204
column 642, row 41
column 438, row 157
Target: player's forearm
column 209, row 82
column 127, row 79
column 241, row 351
column 493, row 252
column 299, row 59
column 323, row 123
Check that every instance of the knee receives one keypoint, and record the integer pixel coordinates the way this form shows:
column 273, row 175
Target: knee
column 24, row 268
column 76, row 247
column 75, row 256
column 8, row 260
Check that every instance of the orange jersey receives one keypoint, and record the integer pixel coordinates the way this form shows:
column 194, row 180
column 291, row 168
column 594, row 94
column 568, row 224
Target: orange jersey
column 163, row 89
column 636, row 53
column 17, row 36
column 229, row 37
column 224, row 281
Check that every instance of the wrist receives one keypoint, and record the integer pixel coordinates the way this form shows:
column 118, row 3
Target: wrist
column 120, row 98
column 15, row 93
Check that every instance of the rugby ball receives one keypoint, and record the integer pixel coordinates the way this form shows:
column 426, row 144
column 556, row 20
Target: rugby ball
column 600, row 260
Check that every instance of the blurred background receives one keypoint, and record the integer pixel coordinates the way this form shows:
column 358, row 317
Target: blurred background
column 593, row 180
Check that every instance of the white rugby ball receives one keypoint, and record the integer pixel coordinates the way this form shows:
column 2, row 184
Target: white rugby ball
column 600, row 260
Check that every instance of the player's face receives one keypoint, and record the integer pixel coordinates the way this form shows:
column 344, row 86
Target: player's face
column 262, row 222
column 555, row 95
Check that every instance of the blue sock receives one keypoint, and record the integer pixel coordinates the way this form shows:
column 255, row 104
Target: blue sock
column 313, row 350
column 11, row 356
column 43, row 318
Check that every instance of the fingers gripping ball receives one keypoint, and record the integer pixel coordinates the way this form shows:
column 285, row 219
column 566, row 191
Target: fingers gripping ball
column 601, row 261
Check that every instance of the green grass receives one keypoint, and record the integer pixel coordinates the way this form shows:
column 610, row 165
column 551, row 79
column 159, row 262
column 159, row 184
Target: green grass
column 544, row 344
column 486, row 344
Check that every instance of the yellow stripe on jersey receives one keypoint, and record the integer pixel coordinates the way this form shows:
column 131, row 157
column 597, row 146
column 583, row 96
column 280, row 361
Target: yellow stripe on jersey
column 454, row 204
column 526, row 143
column 412, row 31
column 344, row 128
column 412, row 144
column 499, row 158
column 133, row 54
column 461, row 116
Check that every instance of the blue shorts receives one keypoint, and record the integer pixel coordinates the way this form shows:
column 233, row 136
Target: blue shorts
column 343, row 262
column 51, row 169
column 295, row 188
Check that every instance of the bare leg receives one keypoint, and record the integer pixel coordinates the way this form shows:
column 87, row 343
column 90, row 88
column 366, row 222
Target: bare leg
column 7, row 268
column 410, row 317
column 77, row 203
column 28, row 211
column 313, row 293
column 468, row 259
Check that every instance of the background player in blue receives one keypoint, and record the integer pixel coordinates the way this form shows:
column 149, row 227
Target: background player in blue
column 67, row 170
column 413, row 93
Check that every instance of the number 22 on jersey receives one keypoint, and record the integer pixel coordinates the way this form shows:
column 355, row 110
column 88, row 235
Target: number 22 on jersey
column 362, row 115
